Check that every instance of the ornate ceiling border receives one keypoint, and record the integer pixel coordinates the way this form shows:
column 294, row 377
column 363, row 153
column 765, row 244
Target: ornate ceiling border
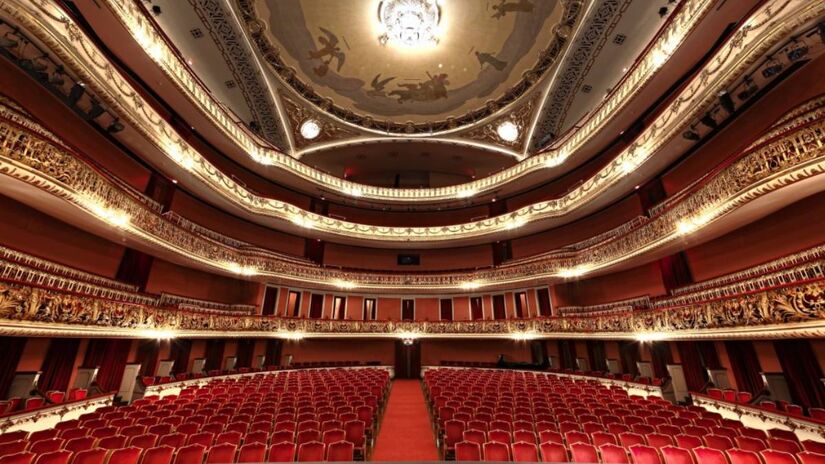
column 790, row 312
column 679, row 26
column 232, row 46
column 798, row 155
column 556, row 105
column 255, row 29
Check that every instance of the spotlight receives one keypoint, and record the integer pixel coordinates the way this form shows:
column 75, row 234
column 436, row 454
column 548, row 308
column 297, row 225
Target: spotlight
column 75, row 93
column 692, row 135
column 750, row 90
column 727, row 102
column 156, row 10
column 115, row 127
column 95, row 110
column 797, row 51
column 663, row 11
column 708, row 121
column 773, row 68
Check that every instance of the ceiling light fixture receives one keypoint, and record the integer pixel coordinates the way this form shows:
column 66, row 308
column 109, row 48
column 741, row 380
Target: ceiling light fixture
column 473, row 285
column 241, row 269
column 409, row 23
column 157, row 334
column 310, row 129
column 577, row 271
column 507, row 131
column 344, row 285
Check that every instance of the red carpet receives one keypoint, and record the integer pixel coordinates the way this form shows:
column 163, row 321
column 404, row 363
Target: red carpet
column 406, row 434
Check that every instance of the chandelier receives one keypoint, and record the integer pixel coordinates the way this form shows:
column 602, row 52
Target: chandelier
column 410, row 23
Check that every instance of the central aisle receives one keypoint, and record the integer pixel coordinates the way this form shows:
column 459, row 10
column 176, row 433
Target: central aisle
column 406, row 434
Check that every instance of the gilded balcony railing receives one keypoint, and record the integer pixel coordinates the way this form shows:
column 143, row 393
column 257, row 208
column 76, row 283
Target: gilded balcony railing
column 790, row 158
column 766, row 28
column 783, row 312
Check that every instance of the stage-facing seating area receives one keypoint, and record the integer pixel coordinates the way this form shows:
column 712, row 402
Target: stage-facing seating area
column 300, row 415
column 495, row 415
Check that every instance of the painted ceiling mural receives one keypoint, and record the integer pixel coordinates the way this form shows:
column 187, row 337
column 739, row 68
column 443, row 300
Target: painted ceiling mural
column 486, row 57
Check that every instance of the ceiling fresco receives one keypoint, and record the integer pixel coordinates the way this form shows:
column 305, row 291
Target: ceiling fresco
column 489, row 53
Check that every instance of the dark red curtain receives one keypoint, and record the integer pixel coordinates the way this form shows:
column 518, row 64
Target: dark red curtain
column 147, row 356
column 567, row 354
column 58, row 364
column 695, row 374
column 629, row 355
column 710, row 357
column 11, row 349
column 214, row 354
column 109, row 356
column 597, row 356
column 272, row 357
column 180, row 354
column 802, row 372
column 675, row 271
column 660, row 357
column 745, row 366
column 246, row 348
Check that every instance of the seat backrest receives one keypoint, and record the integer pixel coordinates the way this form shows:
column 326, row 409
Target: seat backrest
column 613, row 454
column 575, row 436
column 658, row 440
column 251, row 453
column 499, row 436
column 190, row 454
column 807, row 457
column 46, row 446
column 158, row 455
column 281, row 452
column 129, row 455
column 340, row 451
column 718, row 442
column 688, row 441
column 553, row 452
column 76, row 445
column 313, row 451
column 629, row 439
column 90, row 456
column 23, row 457
column 496, row 451
column 222, row 454
column 771, row 456
column 710, row 456
column 54, row 457
column 525, row 452
column 467, row 451
column 813, row 446
column 550, row 436
column 642, row 454
column 780, row 444
column 583, row 452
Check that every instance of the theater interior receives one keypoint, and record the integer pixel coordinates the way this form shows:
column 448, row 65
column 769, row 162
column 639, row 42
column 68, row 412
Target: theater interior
column 245, row 231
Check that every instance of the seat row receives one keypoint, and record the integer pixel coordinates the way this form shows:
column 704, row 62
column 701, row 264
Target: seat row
column 223, row 453
column 614, row 454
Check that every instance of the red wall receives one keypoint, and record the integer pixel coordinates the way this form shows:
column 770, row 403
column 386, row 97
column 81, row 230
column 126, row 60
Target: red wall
column 796, row 227
column 435, row 351
column 170, row 278
column 638, row 281
column 386, row 259
column 30, row 231
column 340, row 350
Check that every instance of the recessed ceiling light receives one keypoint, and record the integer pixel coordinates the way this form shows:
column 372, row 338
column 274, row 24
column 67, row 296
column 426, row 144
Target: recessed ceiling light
column 310, row 129
column 507, row 131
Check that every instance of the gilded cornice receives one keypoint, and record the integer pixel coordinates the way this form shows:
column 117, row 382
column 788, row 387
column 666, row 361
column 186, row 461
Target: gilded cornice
column 797, row 311
column 795, row 156
column 766, row 28
column 45, row 20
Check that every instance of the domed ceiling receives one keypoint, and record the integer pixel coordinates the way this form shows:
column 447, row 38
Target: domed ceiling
column 486, row 54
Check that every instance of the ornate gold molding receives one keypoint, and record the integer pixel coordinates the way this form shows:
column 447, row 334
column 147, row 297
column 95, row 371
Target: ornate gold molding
column 26, row 156
column 797, row 311
column 767, row 27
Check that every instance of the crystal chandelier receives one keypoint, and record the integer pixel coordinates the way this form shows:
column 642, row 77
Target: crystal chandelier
column 411, row 23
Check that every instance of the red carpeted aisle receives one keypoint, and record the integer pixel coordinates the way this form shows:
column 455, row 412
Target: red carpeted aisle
column 406, row 434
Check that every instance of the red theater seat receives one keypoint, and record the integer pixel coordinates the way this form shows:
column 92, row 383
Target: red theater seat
column 613, row 454
column 54, row 457
column 583, row 452
column 814, row 446
column 46, row 446
column 250, row 453
column 771, row 456
column 750, row 444
column 190, row 454
column 158, row 455
column 496, row 451
column 553, row 452
column 23, row 457
column 525, row 452
column 313, row 451
column 13, row 447
column 90, row 456
column 710, row 456
column 340, row 451
column 125, row 456
column 645, row 455
column 223, row 453
column 674, row 455
column 281, row 452
column 467, row 451
column 807, row 457
column 780, row 444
